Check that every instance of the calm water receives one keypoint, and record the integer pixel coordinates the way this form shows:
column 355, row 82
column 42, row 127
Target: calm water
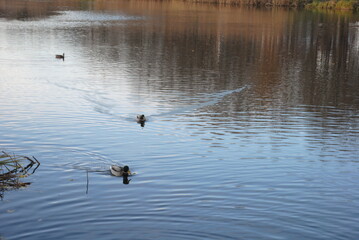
column 253, row 121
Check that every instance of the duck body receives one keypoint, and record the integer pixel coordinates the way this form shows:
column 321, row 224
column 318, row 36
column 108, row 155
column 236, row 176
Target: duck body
column 60, row 56
column 141, row 118
column 119, row 171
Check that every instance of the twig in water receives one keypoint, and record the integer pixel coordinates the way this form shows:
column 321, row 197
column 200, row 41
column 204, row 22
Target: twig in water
column 87, row 185
column 38, row 164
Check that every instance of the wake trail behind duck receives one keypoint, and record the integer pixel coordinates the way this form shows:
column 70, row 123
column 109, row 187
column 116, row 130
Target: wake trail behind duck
column 106, row 106
column 214, row 99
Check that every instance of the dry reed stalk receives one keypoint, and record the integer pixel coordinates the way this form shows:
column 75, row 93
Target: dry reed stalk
column 12, row 168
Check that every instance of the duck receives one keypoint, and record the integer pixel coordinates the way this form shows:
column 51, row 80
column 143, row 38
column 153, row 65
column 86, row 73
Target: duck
column 119, row 171
column 60, row 56
column 141, row 118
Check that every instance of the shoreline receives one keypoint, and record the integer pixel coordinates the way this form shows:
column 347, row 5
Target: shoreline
column 348, row 5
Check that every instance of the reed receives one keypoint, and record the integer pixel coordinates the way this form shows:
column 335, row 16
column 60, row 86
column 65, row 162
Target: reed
column 12, row 169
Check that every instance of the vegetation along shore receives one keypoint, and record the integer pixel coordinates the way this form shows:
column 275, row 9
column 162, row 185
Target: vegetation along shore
column 312, row 4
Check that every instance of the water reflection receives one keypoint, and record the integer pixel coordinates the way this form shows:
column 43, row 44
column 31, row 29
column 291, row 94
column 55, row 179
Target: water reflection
column 125, row 178
column 284, row 61
column 31, row 10
column 168, row 58
column 290, row 58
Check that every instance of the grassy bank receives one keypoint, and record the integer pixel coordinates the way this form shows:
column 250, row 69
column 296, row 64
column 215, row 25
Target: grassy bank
column 341, row 4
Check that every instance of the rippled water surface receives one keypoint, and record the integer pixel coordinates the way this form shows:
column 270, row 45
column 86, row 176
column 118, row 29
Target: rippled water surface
column 252, row 128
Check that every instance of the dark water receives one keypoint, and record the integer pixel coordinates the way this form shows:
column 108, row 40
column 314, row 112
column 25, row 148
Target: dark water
column 253, row 121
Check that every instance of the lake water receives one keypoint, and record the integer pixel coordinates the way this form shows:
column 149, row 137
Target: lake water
column 252, row 131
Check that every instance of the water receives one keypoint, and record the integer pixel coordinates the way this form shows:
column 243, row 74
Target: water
column 252, row 128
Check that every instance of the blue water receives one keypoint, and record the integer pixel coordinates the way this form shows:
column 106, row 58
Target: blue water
column 250, row 134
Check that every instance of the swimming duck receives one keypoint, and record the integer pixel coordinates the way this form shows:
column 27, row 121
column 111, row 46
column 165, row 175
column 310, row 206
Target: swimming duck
column 60, row 56
column 120, row 171
column 141, row 118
